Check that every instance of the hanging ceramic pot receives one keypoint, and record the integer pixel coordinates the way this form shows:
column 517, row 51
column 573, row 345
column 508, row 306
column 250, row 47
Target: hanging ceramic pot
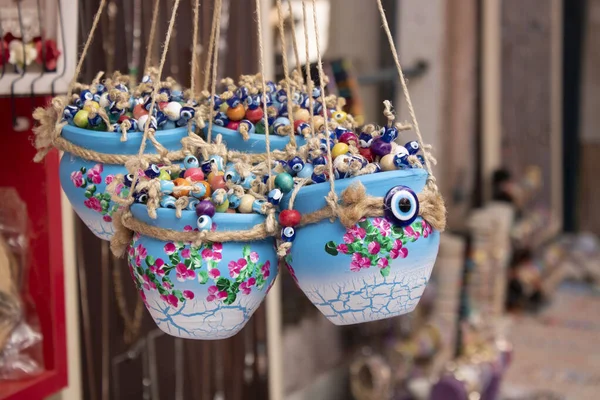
column 377, row 268
column 84, row 181
column 206, row 291
column 255, row 144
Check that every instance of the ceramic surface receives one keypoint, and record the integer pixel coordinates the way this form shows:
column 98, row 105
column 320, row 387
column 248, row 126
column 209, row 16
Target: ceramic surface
column 84, row 182
column 255, row 144
column 201, row 292
column 372, row 271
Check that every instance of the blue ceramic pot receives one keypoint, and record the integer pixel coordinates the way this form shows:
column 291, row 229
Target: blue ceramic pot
column 84, row 182
column 255, row 144
column 201, row 292
column 372, row 271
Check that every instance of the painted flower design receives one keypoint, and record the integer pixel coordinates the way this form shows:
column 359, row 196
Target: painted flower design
column 93, row 204
column 359, row 262
column 383, row 225
column 109, row 178
column 77, row 178
column 236, row 267
column 96, row 200
column 398, row 250
column 94, row 174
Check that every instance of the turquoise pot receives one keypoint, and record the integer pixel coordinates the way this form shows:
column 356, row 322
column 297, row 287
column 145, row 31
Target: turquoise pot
column 201, row 292
column 84, row 181
column 255, row 144
column 371, row 271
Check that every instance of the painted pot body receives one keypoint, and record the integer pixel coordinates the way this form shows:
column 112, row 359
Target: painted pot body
column 255, row 144
column 201, row 292
column 371, row 271
column 84, row 182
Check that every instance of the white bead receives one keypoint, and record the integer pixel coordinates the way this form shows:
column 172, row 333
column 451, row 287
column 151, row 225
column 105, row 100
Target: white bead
column 172, row 110
column 246, row 203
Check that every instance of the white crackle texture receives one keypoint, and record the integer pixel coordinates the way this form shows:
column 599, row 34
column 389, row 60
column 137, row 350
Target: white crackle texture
column 370, row 298
column 104, row 230
column 199, row 319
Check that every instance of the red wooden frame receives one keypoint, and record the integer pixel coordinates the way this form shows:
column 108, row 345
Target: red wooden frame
column 39, row 186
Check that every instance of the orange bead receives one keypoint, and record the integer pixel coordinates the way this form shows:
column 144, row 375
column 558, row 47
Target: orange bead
column 181, row 182
column 139, row 110
column 216, row 180
column 208, row 192
column 236, row 113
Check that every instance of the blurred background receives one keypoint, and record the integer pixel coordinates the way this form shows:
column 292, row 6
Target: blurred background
column 504, row 90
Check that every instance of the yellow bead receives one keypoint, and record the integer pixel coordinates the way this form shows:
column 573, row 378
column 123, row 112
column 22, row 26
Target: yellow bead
column 81, row 119
column 339, row 149
column 301, row 114
column 91, row 105
column 223, row 207
column 387, row 163
column 246, row 204
column 340, row 116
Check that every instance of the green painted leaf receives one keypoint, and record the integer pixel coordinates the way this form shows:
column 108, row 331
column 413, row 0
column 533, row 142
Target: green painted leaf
column 203, row 277
column 106, row 196
column 230, row 298
column 150, row 260
column 178, row 294
column 87, row 194
column 162, row 290
column 139, row 270
column 235, row 287
column 331, row 248
column 167, row 279
column 364, row 224
column 83, row 170
column 91, row 188
column 223, row 284
column 246, row 251
column 89, row 180
column 385, row 271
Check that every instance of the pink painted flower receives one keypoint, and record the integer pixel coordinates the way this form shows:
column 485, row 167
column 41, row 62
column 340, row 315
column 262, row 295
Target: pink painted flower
column 95, row 174
column 254, row 256
column 143, row 295
column 359, row 262
column 374, row 247
column 109, row 179
column 159, row 263
column 427, row 229
column 214, row 273
column 207, row 254
column 188, row 228
column 130, row 251
column 409, row 231
column 167, row 285
column 212, row 293
column 185, row 253
column 140, row 254
column 398, row 250
column 148, row 284
column 358, row 232
column 383, row 263
column 119, row 188
column 266, row 269
column 188, row 294
column 107, row 218
column 383, row 225
column 181, row 272
column 170, row 248
column 93, row 204
column 348, row 238
column 245, row 288
column 252, row 281
column 217, row 247
column 342, row 248
column 172, row 300
column 222, row 295
column 213, row 227
column 217, row 256
column 77, row 178
column 235, row 268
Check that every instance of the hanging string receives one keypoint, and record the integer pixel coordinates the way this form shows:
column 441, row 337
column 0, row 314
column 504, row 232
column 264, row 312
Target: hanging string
column 286, row 74
column 86, row 47
column 411, row 109
column 149, row 49
column 154, row 94
column 294, row 41
column 261, row 61
column 211, row 45
column 195, row 49
column 332, row 198
column 215, row 61
column 311, row 101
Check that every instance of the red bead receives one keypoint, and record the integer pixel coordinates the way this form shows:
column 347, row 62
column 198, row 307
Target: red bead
column 123, row 118
column 194, row 174
column 289, row 218
column 162, row 105
column 233, row 125
column 366, row 153
column 297, row 123
column 349, row 137
column 254, row 115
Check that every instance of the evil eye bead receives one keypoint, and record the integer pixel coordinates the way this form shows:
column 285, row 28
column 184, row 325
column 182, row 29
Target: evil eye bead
column 301, row 127
column 191, row 162
column 128, row 180
column 402, row 151
column 167, row 201
column 122, row 88
column 365, row 140
column 233, row 102
column 306, row 172
column 231, row 175
column 200, row 192
column 281, row 96
column 153, row 171
column 421, row 159
column 274, row 196
column 242, row 92
column 234, row 200
column 69, row 112
column 204, row 223
column 321, row 160
column 340, row 116
column 316, row 92
column 246, row 182
column 412, row 147
column 187, row 113
column 295, row 165
column 166, row 187
column 221, row 119
column 192, row 204
column 401, row 206
column 141, row 197
column 389, row 134
column 401, row 160
column 218, row 161
column 257, row 206
column 85, row 95
column 280, row 123
column 318, row 178
column 146, row 79
column 288, row 234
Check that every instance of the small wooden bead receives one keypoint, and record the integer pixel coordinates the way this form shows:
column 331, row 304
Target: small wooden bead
column 289, row 218
column 284, row 182
column 301, row 114
column 81, row 119
column 181, row 182
column 339, row 149
column 387, row 163
column 246, row 203
column 236, row 113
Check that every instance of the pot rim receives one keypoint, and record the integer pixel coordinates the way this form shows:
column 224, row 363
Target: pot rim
column 274, row 140
column 110, row 142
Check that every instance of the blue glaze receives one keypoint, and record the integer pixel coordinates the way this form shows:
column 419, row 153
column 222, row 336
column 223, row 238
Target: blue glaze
column 203, row 316
column 255, row 144
column 346, row 296
column 97, row 213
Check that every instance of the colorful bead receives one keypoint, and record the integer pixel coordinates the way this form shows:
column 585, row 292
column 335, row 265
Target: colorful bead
column 274, row 196
column 412, row 147
column 380, row 147
column 254, row 115
column 141, row 197
column 366, row 153
column 401, row 161
column 279, row 124
column 365, row 139
column 387, row 163
column 289, row 218
column 128, row 180
column 234, row 200
column 284, row 182
column 164, row 175
column 172, row 110
column 166, row 187
column 221, row 119
column 192, row 203
column 191, row 162
column 401, row 206
column 295, row 165
column 257, row 206
column 81, row 119
column 223, row 207
column 246, row 203
column 217, row 161
column 349, row 138
column 205, row 207
column 339, row 149
column 236, row 113
column 234, row 125
column 231, row 175
column 246, row 182
column 204, row 223
column 216, row 180
column 202, row 191
column 167, row 201
column 340, row 116
column 301, row 114
column 139, row 111
column 389, row 134
column 153, row 171
column 288, row 234
column 194, row 174
column 219, row 197
column 181, row 182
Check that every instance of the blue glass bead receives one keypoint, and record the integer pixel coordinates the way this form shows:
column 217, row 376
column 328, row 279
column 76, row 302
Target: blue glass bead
column 134, row 125
column 271, row 86
column 100, row 89
column 204, row 223
column 412, row 147
column 206, row 167
column 316, row 92
column 153, row 171
column 233, row 101
column 249, row 125
column 323, row 145
column 69, row 113
column 115, row 111
column 377, row 168
column 200, row 193
column 242, row 93
column 288, row 234
column 167, row 201
column 176, row 95
column 401, row 161
column 85, row 95
column 116, row 127
column 421, row 159
column 181, row 174
column 166, row 187
column 218, row 161
column 257, row 206
column 339, row 131
column 122, row 88
column 320, row 178
column 234, row 200
column 191, row 161
column 141, row 197
column 221, row 119
column 357, row 157
column 365, row 140
column 274, row 196
column 306, row 172
column 217, row 101
column 219, row 197
column 161, row 118
column 280, row 123
column 401, row 206
column 317, row 108
column 186, row 113
column 321, row 160
column 389, row 134
column 295, row 165
column 192, row 204
column 231, row 175
column 254, row 101
column 282, row 112
column 302, row 126
column 128, row 180
column 246, row 182
column 95, row 121
column 166, row 91
column 281, row 96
